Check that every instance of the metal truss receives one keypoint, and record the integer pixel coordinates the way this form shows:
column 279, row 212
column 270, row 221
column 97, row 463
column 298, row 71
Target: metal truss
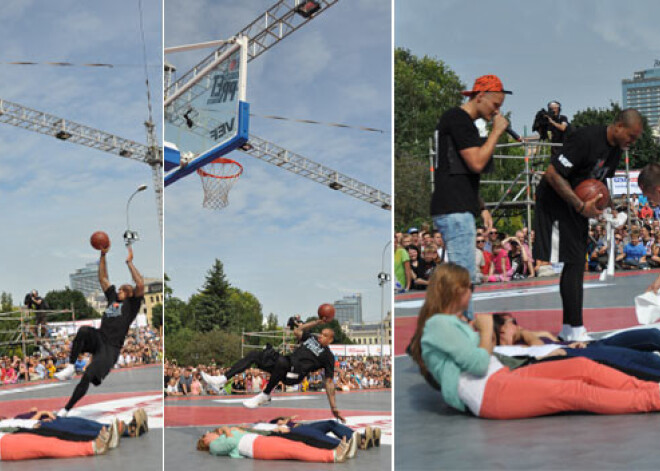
column 271, row 27
column 295, row 163
column 65, row 130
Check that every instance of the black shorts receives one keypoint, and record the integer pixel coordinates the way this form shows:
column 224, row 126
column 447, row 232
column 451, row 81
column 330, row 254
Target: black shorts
column 104, row 355
column 560, row 232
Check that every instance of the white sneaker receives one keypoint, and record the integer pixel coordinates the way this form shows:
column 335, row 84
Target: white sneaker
column 256, row 401
column 579, row 334
column 66, row 374
column 114, row 435
column 62, row 413
column 216, row 382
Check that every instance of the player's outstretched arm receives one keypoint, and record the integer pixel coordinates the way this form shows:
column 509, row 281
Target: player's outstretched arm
column 103, row 271
column 139, row 282
column 298, row 331
column 330, row 392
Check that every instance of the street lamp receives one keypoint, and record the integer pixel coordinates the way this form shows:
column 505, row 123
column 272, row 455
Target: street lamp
column 383, row 278
column 131, row 236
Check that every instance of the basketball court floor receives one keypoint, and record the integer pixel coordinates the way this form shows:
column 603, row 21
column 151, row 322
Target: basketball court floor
column 121, row 393
column 187, row 419
column 431, row 435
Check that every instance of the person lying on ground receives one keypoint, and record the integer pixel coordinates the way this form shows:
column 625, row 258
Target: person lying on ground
column 459, row 358
column 237, row 442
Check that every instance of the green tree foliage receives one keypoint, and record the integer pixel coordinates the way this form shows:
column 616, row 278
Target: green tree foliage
column 272, row 322
column 175, row 311
column 157, row 316
column 6, row 302
column 211, row 311
column 66, row 299
column 193, row 348
column 644, row 151
column 244, row 311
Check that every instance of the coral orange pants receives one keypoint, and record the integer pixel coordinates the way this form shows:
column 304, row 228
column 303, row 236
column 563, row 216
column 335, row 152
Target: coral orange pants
column 26, row 446
column 577, row 384
column 277, row 448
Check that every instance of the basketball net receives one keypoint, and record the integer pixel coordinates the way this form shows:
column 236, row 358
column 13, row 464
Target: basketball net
column 218, row 178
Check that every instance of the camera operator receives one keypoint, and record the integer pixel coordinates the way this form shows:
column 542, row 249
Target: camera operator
column 558, row 124
column 553, row 122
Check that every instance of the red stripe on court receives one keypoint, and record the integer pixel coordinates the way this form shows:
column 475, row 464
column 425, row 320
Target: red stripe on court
column 19, row 406
column 176, row 416
column 595, row 320
column 525, row 284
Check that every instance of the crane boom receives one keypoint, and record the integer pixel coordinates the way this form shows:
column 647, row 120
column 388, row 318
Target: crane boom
column 65, row 130
column 295, row 163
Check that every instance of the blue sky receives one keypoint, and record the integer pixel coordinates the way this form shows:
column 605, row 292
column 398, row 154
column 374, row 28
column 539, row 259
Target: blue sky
column 291, row 242
column 54, row 194
column 574, row 52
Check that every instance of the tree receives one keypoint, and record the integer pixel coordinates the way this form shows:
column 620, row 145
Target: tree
column 67, row 299
column 211, row 310
column 244, row 311
column 6, row 302
column 644, row 151
column 175, row 311
column 271, row 322
column 157, row 316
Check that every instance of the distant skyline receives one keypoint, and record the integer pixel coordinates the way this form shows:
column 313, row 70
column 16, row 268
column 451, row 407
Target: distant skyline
column 55, row 194
column 291, row 242
column 574, row 52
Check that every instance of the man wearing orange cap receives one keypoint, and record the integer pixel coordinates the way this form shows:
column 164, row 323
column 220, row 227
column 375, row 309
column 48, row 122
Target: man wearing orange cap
column 462, row 155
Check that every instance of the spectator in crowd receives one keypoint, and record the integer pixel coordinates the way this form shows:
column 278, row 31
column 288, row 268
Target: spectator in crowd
column 402, row 271
column 634, row 253
column 487, row 257
column 185, row 382
column 527, row 252
column 646, row 212
column 492, row 235
column 439, row 243
column 413, row 232
column 501, row 265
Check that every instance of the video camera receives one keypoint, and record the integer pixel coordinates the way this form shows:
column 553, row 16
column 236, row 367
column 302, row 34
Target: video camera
column 542, row 123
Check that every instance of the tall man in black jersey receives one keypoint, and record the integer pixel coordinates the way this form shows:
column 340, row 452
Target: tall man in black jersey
column 105, row 342
column 312, row 354
column 462, row 156
column 561, row 218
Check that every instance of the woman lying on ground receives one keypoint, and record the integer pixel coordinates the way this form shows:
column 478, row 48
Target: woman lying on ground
column 26, row 445
column 139, row 425
column 320, row 428
column 239, row 442
column 631, row 352
column 451, row 353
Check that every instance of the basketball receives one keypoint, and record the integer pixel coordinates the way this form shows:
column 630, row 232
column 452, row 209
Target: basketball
column 100, row 240
column 326, row 312
column 589, row 189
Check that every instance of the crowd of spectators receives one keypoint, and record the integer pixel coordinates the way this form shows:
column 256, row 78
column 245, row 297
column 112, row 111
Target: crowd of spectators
column 350, row 373
column 142, row 346
column 504, row 257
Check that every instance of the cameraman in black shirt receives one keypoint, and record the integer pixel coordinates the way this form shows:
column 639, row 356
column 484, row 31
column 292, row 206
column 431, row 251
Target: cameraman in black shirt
column 557, row 125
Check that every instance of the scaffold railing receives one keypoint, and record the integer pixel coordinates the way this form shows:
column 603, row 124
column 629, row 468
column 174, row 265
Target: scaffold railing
column 27, row 327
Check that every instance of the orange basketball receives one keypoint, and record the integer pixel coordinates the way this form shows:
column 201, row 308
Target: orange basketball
column 326, row 312
column 589, row 189
column 100, row 240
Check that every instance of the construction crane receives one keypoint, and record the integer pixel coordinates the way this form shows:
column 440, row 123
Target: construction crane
column 65, row 130
column 278, row 22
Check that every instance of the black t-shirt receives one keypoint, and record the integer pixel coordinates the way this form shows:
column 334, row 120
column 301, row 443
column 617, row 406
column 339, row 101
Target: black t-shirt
column 311, row 356
column 557, row 135
column 456, row 186
column 586, row 154
column 118, row 316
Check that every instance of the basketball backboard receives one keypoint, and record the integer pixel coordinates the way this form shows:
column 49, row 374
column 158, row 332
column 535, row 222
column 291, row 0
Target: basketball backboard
column 206, row 115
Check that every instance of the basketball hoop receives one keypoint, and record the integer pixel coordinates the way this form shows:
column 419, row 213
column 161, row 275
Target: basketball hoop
column 218, row 178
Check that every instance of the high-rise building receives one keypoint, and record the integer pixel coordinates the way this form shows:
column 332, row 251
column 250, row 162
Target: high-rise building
column 348, row 310
column 642, row 92
column 86, row 280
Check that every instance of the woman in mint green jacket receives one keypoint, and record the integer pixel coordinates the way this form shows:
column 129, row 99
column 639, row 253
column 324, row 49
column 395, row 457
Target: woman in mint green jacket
column 457, row 356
